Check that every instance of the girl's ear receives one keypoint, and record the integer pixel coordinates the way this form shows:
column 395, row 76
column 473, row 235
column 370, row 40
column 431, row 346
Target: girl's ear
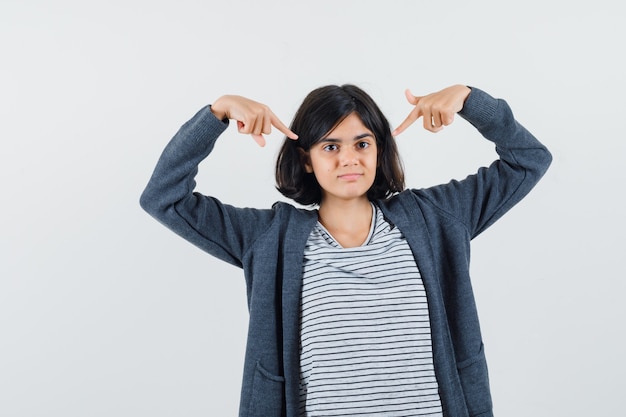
column 305, row 160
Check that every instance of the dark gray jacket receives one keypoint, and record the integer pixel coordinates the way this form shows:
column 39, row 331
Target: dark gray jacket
column 438, row 223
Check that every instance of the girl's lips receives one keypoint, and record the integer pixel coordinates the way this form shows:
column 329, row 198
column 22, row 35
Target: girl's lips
column 350, row 177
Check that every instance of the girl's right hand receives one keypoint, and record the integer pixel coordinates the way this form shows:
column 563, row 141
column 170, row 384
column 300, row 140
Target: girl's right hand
column 252, row 118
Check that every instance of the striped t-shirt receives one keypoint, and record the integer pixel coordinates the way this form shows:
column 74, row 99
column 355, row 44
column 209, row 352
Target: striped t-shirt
column 365, row 333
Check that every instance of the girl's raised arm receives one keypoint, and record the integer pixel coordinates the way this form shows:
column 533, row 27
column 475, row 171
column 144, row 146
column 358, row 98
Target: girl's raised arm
column 170, row 196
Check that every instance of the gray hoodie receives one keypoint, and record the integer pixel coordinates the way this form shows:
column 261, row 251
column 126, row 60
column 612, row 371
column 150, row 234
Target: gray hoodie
column 268, row 244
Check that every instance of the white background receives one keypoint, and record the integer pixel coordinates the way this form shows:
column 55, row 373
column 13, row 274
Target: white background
column 104, row 312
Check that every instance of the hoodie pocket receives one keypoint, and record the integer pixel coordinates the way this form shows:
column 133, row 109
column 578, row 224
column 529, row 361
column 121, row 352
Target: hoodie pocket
column 268, row 394
column 475, row 384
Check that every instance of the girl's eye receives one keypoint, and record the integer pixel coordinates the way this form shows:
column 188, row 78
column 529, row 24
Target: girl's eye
column 363, row 145
column 330, row 147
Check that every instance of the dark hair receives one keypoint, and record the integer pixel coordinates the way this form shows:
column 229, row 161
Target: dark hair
column 320, row 112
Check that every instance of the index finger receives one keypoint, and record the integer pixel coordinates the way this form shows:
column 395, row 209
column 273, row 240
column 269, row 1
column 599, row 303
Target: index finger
column 281, row 126
column 411, row 118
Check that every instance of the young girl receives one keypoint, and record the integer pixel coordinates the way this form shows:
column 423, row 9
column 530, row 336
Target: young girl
column 361, row 305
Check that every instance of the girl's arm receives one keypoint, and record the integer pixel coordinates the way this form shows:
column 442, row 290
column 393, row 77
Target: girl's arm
column 220, row 229
column 482, row 198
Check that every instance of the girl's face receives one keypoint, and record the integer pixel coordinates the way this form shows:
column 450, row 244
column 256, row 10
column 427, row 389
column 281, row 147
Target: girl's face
column 344, row 162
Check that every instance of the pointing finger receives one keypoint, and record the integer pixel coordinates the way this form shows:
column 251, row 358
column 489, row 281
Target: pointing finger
column 411, row 118
column 281, row 126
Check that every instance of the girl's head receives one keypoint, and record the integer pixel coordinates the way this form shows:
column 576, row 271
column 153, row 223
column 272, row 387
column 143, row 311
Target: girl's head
column 321, row 111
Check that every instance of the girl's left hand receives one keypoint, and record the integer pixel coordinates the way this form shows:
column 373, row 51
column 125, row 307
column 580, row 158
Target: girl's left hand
column 436, row 109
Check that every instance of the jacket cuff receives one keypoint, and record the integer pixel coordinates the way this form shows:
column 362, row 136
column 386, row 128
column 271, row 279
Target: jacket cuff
column 480, row 108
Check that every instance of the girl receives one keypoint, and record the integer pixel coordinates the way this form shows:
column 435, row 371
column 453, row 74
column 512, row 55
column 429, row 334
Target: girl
column 361, row 305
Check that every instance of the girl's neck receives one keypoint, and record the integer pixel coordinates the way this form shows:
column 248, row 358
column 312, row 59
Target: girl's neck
column 348, row 221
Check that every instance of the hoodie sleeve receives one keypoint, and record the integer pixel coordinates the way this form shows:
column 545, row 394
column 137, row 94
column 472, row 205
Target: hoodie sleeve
column 219, row 229
column 482, row 198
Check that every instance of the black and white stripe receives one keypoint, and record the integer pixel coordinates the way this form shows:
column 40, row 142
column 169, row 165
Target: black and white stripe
column 365, row 332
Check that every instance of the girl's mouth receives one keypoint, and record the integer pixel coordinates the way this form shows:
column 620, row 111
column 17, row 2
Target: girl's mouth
column 350, row 177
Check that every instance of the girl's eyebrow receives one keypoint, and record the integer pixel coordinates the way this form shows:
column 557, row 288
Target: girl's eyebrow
column 358, row 137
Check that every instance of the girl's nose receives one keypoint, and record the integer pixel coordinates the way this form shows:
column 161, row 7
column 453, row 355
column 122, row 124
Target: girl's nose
column 348, row 157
